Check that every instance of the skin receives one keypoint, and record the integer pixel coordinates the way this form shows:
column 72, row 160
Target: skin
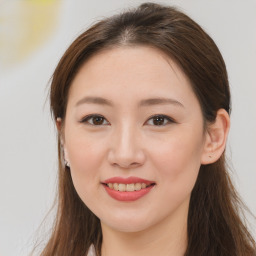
column 129, row 143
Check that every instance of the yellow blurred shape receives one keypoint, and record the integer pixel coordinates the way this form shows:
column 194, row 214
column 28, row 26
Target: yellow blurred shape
column 24, row 26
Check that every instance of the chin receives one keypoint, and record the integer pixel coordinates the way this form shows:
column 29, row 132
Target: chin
column 127, row 228
column 129, row 225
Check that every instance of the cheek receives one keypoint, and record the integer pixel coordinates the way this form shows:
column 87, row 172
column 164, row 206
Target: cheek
column 85, row 159
column 178, row 162
column 83, row 153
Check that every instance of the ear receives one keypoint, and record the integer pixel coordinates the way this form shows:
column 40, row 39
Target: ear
column 216, row 138
column 59, row 127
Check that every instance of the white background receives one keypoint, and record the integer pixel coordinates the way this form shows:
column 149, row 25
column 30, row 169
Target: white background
column 28, row 159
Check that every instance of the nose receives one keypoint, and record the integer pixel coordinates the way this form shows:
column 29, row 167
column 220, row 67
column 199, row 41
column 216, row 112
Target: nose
column 125, row 148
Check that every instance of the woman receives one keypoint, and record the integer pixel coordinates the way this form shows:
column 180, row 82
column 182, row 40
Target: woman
column 142, row 102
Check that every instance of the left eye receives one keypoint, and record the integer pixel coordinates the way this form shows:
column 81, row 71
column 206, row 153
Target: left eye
column 161, row 120
column 156, row 120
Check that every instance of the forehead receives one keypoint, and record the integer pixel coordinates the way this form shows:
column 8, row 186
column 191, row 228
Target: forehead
column 130, row 73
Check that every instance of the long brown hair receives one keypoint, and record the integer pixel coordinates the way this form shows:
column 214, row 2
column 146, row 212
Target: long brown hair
column 215, row 226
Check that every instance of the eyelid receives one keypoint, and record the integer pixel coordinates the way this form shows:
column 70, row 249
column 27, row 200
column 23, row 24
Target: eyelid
column 86, row 118
column 170, row 120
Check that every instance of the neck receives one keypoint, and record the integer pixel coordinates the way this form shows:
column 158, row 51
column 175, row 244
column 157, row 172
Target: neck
column 168, row 237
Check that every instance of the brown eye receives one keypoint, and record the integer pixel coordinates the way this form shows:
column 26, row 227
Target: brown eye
column 161, row 120
column 95, row 120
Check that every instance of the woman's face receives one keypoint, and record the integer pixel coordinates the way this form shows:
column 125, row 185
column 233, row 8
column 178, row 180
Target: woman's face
column 132, row 118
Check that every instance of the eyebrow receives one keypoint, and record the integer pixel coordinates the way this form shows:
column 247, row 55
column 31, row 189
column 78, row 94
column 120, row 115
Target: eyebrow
column 142, row 103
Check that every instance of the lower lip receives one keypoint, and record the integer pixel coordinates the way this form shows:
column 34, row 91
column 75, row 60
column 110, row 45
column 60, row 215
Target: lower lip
column 127, row 195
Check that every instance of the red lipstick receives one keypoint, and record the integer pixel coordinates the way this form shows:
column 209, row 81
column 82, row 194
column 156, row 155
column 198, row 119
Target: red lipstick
column 128, row 195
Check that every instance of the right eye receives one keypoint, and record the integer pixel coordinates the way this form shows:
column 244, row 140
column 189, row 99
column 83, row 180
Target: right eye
column 95, row 120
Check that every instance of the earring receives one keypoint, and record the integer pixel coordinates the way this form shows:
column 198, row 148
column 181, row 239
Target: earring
column 64, row 155
column 66, row 163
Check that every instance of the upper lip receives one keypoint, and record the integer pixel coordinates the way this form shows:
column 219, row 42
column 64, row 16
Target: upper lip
column 128, row 180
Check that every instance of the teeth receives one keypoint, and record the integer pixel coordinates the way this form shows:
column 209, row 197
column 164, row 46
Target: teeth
column 130, row 187
column 122, row 187
column 116, row 186
column 143, row 185
column 137, row 186
column 110, row 185
column 127, row 187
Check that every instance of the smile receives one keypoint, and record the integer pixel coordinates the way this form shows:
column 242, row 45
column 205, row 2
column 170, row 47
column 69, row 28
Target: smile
column 127, row 189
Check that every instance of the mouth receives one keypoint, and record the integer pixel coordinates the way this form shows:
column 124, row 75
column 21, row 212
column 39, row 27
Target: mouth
column 127, row 189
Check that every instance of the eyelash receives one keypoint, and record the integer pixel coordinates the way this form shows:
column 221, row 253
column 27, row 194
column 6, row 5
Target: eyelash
column 85, row 119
